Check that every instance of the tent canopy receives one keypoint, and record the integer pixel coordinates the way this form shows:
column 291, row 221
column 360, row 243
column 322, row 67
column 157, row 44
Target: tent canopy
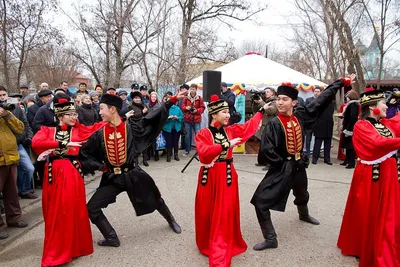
column 259, row 71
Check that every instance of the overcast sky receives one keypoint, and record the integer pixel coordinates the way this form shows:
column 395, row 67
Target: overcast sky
column 272, row 27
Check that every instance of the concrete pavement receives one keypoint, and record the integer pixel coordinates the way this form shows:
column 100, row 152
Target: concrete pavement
column 148, row 241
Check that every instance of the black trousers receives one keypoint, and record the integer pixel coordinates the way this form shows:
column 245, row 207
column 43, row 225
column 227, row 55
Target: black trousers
column 317, row 149
column 172, row 140
column 104, row 196
column 350, row 157
column 274, row 195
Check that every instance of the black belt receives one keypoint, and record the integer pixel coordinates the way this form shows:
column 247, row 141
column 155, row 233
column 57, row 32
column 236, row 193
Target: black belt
column 204, row 176
column 74, row 161
column 117, row 170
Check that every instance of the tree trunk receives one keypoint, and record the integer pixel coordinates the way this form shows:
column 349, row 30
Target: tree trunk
column 4, row 57
column 347, row 44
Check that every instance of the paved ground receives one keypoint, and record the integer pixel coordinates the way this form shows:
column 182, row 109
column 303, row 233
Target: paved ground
column 147, row 240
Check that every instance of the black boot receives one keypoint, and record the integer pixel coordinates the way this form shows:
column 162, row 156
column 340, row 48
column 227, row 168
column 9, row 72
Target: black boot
column 268, row 231
column 145, row 163
column 156, row 156
column 304, row 216
column 169, row 154
column 176, row 155
column 111, row 238
column 166, row 213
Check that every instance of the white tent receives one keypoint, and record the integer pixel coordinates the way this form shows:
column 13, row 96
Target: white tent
column 258, row 71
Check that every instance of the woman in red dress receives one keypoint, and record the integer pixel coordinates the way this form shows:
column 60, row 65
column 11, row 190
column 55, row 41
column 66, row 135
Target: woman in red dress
column 67, row 227
column 217, row 214
column 371, row 224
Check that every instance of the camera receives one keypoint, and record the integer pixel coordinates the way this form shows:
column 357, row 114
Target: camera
column 255, row 96
column 7, row 106
column 192, row 108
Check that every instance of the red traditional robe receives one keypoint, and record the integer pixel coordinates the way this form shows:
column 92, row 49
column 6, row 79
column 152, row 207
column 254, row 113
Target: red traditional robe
column 67, row 227
column 217, row 213
column 371, row 222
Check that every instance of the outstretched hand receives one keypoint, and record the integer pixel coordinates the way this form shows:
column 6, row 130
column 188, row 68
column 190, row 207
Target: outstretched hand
column 235, row 141
column 352, row 77
column 181, row 95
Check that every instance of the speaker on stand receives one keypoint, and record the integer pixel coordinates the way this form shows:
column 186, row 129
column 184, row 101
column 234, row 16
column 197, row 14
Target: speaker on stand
column 211, row 86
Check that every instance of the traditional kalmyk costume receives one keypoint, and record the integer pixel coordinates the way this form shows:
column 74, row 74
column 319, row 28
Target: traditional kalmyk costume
column 66, row 222
column 115, row 150
column 282, row 145
column 217, row 212
column 371, row 222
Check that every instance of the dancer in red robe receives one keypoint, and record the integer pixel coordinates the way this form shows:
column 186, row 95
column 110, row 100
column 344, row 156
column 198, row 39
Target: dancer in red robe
column 217, row 214
column 371, row 223
column 67, row 227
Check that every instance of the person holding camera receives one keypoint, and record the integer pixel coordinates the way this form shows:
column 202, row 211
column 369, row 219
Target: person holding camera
column 192, row 107
column 270, row 113
column 9, row 158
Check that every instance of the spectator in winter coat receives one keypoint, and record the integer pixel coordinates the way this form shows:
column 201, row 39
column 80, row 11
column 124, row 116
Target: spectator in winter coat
column 86, row 111
column 171, row 130
column 96, row 104
column 192, row 107
column 228, row 96
column 139, row 110
column 183, row 88
column 45, row 115
column 44, row 97
column 125, row 104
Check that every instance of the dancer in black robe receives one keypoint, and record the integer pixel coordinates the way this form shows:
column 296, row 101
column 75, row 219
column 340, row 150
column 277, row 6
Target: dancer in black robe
column 115, row 150
column 282, row 145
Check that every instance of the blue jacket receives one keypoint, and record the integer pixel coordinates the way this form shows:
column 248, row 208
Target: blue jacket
column 176, row 124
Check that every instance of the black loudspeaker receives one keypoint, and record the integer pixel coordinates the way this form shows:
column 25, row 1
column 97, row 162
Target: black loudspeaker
column 211, row 84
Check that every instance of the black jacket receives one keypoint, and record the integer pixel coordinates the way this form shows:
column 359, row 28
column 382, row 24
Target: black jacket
column 273, row 191
column 32, row 110
column 323, row 128
column 44, row 117
column 229, row 97
column 140, row 134
column 350, row 117
column 86, row 114
column 25, row 138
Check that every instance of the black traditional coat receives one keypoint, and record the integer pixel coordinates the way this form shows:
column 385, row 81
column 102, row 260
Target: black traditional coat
column 128, row 140
column 282, row 146
column 350, row 117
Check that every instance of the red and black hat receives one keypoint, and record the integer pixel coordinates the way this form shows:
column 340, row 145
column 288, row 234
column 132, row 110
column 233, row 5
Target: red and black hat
column 216, row 105
column 63, row 106
column 371, row 96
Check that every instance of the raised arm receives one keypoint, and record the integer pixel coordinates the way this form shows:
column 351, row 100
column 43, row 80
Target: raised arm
column 309, row 114
column 247, row 130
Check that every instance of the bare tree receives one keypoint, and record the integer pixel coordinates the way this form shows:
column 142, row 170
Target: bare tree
column 193, row 12
column 51, row 64
column 24, row 30
column 385, row 27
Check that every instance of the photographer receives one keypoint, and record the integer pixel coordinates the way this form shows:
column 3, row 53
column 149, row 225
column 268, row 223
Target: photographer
column 258, row 101
column 192, row 107
column 9, row 158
